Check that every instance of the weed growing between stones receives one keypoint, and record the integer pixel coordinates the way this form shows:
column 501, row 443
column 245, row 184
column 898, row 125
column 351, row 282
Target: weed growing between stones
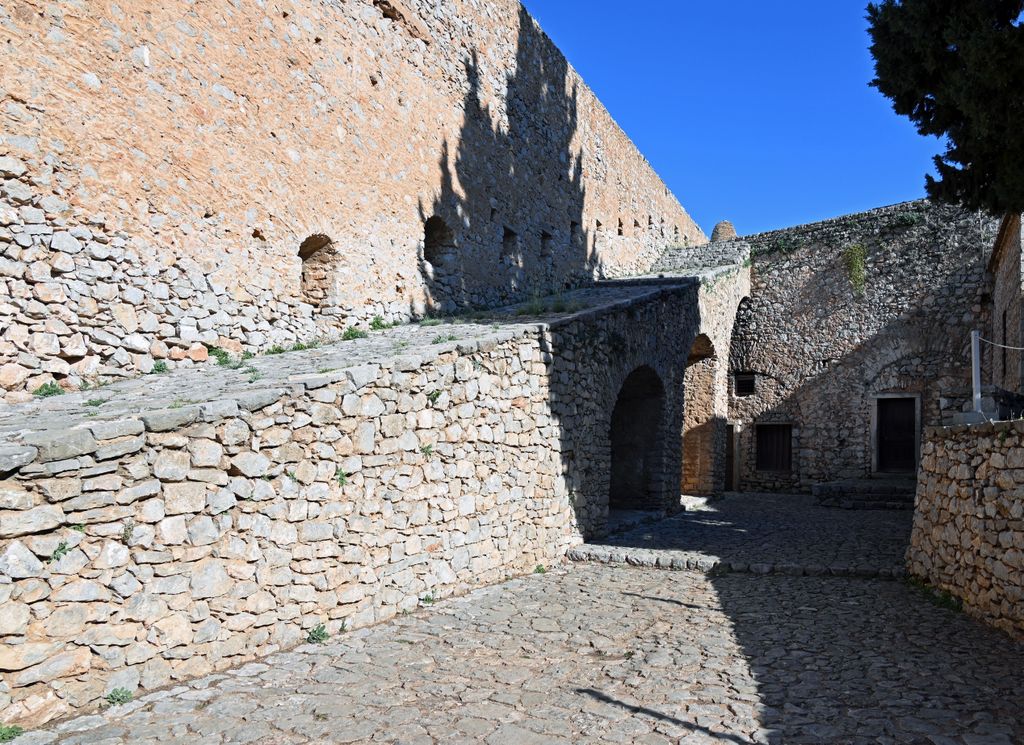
column 79, row 528
column 936, row 596
column 341, row 477
column 221, row 355
column 159, row 368
column 254, row 374
column 276, row 349
column 353, row 333
column 118, row 697
column 442, row 338
column 856, row 257
column 127, row 531
column 540, row 569
column 427, row 450
column 906, row 220
column 317, row 635
column 8, row 733
column 48, row 389
column 379, row 324
column 60, row 552
column 433, row 396
column 428, row 321
column 95, row 402
column 428, row 599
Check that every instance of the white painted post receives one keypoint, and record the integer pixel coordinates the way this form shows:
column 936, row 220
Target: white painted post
column 976, row 368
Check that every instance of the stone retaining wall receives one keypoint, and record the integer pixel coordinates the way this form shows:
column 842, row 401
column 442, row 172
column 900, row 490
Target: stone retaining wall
column 968, row 536
column 139, row 546
column 166, row 168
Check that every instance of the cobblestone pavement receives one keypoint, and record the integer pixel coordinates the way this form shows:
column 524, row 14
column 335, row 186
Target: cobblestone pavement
column 593, row 653
column 763, row 534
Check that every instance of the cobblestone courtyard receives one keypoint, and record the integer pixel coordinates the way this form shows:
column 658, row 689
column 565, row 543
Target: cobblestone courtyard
column 604, row 653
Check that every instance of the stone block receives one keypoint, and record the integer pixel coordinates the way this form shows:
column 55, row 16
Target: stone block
column 34, row 520
column 60, row 445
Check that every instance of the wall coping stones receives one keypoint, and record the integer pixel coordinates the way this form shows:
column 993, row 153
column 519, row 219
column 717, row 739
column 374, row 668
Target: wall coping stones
column 980, row 429
column 51, row 435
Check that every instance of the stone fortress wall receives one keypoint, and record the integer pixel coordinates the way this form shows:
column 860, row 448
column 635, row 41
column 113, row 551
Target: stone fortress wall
column 160, row 528
column 968, row 536
column 177, row 175
column 845, row 310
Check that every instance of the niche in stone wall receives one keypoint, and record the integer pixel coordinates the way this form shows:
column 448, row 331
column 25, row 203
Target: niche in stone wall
column 318, row 269
column 547, row 245
column 509, row 243
column 622, row 229
column 438, row 242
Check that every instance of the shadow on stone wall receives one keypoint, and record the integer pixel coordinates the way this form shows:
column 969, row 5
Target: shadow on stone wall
column 487, row 252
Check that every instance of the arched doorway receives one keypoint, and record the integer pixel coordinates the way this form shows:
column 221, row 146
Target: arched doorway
column 702, row 427
column 636, row 440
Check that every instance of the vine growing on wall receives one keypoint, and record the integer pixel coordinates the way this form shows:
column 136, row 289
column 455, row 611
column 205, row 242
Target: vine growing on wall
column 856, row 257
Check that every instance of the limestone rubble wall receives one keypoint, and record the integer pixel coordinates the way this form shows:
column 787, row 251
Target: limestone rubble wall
column 162, row 544
column 162, row 163
column 847, row 310
column 968, row 535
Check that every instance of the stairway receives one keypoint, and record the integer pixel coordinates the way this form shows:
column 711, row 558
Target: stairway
column 877, row 493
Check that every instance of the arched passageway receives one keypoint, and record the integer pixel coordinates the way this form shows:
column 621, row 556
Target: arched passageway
column 703, row 430
column 637, row 431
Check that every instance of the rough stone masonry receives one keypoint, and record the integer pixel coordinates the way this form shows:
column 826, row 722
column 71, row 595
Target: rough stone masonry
column 155, row 531
column 175, row 176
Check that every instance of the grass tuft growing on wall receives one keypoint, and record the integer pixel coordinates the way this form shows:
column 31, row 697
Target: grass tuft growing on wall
column 856, row 259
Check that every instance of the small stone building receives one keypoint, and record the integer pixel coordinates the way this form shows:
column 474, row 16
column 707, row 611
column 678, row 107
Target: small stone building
column 855, row 336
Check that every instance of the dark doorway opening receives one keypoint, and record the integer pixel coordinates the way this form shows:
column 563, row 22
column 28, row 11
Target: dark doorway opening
column 896, row 435
column 730, row 457
column 636, row 440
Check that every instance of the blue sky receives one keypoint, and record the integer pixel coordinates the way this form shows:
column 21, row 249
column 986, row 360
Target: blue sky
column 751, row 111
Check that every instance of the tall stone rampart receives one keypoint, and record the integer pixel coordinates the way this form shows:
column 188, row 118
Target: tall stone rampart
column 176, row 175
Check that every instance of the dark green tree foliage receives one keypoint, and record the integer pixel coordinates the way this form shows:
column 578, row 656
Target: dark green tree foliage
column 956, row 69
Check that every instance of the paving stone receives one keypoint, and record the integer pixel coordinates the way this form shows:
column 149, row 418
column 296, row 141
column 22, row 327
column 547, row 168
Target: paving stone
column 645, row 656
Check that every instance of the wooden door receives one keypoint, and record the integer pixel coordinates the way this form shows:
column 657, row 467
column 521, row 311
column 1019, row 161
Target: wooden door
column 897, row 435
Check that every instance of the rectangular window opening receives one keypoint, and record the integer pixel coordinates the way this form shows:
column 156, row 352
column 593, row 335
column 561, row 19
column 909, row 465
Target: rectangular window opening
column 775, row 447
column 745, row 383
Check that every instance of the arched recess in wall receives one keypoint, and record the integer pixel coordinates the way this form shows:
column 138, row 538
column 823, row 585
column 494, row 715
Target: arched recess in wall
column 703, row 426
column 318, row 269
column 438, row 242
column 637, row 442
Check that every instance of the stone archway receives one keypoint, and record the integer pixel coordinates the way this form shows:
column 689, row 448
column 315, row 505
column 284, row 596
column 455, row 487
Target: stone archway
column 637, row 433
column 703, row 429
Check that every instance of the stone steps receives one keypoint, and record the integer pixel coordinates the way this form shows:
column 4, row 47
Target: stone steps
column 689, row 561
column 895, row 493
